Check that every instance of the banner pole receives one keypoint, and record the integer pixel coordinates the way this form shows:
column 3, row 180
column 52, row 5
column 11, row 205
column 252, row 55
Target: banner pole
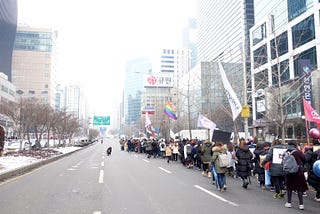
column 307, row 132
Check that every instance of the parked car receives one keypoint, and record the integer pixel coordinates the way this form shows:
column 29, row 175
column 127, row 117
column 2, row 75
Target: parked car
column 11, row 147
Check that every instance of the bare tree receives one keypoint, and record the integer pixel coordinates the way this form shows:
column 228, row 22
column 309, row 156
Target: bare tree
column 282, row 94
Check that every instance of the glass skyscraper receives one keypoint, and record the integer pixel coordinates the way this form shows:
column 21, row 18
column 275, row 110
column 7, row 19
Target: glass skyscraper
column 135, row 71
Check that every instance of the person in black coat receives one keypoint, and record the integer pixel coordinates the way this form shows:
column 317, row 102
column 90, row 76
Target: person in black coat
column 260, row 152
column 313, row 179
column 296, row 181
column 244, row 160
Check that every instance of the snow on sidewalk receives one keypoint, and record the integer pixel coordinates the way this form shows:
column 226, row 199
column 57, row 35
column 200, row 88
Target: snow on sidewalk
column 8, row 163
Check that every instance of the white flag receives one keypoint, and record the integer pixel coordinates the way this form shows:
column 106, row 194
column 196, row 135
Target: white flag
column 204, row 122
column 231, row 95
column 147, row 121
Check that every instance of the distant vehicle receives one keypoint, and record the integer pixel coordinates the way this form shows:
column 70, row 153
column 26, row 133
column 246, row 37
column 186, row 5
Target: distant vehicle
column 11, row 147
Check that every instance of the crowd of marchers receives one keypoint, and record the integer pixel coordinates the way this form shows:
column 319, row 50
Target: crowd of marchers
column 244, row 160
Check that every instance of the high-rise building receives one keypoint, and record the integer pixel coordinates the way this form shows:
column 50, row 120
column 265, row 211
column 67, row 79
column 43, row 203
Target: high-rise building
column 223, row 35
column 135, row 71
column 285, row 39
column 175, row 62
column 34, row 63
column 74, row 101
column 8, row 26
column 189, row 40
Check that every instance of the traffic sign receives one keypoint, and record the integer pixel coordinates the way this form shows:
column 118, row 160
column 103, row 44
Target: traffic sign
column 101, row 120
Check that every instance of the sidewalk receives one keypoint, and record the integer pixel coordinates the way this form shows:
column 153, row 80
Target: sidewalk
column 13, row 165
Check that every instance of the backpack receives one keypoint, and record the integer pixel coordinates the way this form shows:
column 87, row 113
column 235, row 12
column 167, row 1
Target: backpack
column 223, row 160
column 289, row 163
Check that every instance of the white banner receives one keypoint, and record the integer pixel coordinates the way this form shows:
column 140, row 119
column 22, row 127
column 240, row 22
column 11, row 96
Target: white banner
column 277, row 155
column 231, row 95
column 204, row 122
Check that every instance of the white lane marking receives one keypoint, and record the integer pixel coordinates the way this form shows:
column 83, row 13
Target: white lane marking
column 135, row 155
column 101, row 177
column 167, row 171
column 71, row 169
column 145, row 160
column 216, row 196
column 102, row 157
column 97, row 212
column 102, row 163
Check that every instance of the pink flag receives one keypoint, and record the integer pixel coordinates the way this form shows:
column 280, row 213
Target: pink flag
column 310, row 114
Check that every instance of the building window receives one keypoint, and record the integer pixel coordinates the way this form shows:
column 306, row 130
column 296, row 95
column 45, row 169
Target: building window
column 259, row 34
column 303, row 32
column 260, row 56
column 261, row 79
column 279, row 45
column 32, row 92
column 310, row 54
column 293, row 107
column 284, row 73
column 297, row 7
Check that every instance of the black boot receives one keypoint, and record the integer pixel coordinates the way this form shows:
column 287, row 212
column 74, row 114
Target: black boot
column 245, row 183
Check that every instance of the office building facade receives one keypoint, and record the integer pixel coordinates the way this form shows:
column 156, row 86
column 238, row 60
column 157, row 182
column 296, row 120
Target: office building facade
column 284, row 50
column 223, row 35
column 34, row 63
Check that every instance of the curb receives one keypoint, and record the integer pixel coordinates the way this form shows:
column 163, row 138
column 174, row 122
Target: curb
column 24, row 169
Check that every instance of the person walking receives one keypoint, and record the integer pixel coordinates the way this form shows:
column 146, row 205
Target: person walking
column 168, row 152
column 313, row 180
column 217, row 150
column 206, row 156
column 232, row 160
column 175, row 150
column 259, row 155
column 296, row 181
column 276, row 167
column 243, row 159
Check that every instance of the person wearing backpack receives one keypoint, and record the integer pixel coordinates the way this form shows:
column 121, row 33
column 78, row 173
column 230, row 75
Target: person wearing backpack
column 296, row 181
column 276, row 167
column 218, row 150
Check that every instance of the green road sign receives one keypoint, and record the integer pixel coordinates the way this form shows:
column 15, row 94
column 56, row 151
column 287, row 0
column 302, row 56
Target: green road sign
column 101, row 120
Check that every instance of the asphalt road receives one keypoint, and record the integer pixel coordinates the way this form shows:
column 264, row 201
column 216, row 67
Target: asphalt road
column 90, row 182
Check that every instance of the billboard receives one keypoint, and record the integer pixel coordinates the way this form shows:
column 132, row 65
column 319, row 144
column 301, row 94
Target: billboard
column 101, row 120
column 159, row 80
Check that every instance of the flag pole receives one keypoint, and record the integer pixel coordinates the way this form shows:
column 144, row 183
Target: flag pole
column 307, row 132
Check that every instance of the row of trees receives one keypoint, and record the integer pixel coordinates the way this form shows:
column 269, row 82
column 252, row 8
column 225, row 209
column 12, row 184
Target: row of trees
column 32, row 118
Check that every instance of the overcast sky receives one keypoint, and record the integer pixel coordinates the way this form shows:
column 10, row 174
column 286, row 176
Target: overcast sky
column 96, row 37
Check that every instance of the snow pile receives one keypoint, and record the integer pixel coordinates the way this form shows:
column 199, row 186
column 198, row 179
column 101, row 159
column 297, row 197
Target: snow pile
column 12, row 162
column 8, row 163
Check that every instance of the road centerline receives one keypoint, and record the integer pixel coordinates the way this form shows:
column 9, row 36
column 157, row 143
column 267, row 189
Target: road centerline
column 101, row 176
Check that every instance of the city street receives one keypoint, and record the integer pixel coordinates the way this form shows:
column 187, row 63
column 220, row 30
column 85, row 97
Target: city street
column 90, row 182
